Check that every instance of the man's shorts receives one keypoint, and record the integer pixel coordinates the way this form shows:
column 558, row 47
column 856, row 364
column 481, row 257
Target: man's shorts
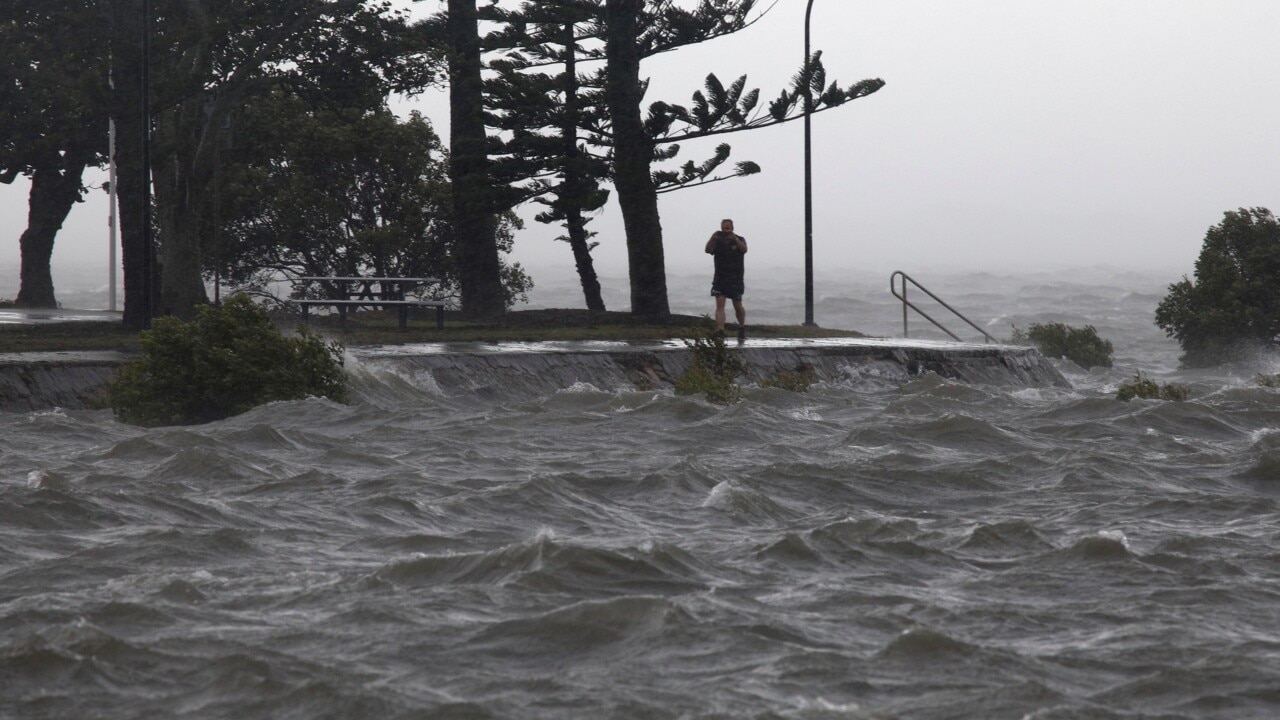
column 731, row 290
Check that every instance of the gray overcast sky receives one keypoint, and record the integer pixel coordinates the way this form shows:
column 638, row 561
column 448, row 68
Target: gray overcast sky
column 1012, row 134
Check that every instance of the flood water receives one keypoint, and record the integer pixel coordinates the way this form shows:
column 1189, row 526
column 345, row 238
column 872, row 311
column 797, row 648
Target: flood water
column 863, row 550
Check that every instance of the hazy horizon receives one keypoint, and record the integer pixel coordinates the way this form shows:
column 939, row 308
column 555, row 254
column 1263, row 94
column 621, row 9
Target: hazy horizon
column 774, row 295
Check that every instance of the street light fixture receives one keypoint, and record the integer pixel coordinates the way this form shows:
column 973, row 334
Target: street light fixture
column 808, row 178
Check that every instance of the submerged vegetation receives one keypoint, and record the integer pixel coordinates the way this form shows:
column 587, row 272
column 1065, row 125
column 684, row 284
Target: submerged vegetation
column 1081, row 346
column 797, row 380
column 713, row 368
column 1144, row 388
column 227, row 360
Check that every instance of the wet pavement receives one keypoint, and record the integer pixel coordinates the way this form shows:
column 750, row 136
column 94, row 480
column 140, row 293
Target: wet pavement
column 43, row 316
column 63, row 357
column 35, row 316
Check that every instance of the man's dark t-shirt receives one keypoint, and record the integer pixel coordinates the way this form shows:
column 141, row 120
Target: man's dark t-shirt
column 729, row 266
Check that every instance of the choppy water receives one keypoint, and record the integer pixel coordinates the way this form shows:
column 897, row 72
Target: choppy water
column 860, row 551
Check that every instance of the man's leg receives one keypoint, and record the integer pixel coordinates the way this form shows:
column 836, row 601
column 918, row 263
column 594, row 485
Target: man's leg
column 720, row 313
column 741, row 312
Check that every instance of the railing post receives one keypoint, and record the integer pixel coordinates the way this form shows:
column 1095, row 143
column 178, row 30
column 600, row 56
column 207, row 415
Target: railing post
column 905, row 334
column 906, row 304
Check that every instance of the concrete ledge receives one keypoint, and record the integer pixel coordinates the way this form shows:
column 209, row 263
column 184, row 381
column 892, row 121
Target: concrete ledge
column 40, row 381
column 542, row 367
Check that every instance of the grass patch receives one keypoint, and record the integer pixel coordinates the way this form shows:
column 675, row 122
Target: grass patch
column 74, row 336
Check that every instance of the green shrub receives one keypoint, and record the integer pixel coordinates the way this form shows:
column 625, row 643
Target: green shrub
column 226, row 361
column 1144, row 388
column 1081, row 346
column 712, row 368
column 1233, row 304
column 1269, row 381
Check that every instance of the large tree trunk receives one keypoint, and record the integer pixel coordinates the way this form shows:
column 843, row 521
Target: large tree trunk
column 576, row 224
column 632, row 160
column 474, row 219
column 53, row 193
column 181, row 180
column 133, row 191
column 182, row 172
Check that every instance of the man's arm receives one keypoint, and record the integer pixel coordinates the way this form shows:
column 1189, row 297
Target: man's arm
column 711, row 245
column 741, row 242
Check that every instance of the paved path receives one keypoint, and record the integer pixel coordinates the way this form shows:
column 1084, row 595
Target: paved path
column 42, row 316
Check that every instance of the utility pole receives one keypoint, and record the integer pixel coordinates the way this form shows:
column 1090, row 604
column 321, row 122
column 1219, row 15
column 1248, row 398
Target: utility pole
column 808, row 177
column 149, row 287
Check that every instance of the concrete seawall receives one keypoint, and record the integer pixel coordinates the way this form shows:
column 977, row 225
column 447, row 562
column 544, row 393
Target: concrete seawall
column 535, row 368
column 40, row 381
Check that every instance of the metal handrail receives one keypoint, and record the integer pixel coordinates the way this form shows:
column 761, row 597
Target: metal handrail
column 893, row 288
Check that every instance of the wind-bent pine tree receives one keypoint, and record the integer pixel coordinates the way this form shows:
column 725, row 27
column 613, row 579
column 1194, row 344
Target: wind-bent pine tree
column 634, row 30
column 579, row 191
column 541, row 113
column 611, row 117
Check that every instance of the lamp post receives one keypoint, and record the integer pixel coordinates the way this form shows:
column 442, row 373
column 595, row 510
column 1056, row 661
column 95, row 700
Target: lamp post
column 808, row 178
column 148, row 263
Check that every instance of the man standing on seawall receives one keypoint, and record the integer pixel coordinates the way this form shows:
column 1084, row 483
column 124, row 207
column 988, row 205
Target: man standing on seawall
column 727, row 247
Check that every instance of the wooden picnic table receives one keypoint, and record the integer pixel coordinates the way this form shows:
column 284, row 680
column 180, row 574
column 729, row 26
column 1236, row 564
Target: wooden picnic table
column 354, row 292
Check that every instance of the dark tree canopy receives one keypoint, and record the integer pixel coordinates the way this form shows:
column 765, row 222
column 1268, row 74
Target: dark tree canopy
column 1233, row 303
column 539, row 116
column 333, row 191
column 213, row 58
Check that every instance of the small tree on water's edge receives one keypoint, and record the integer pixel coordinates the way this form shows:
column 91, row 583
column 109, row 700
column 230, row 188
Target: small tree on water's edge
column 1233, row 303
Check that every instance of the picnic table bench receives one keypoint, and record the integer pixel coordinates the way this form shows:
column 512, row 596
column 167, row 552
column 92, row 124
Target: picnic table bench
column 354, row 292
